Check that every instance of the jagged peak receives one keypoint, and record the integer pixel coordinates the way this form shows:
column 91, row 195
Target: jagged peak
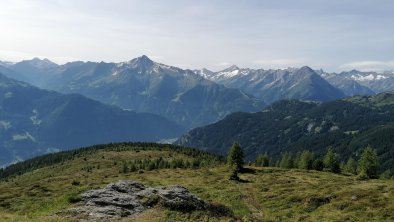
column 306, row 69
column 142, row 59
column 230, row 69
column 40, row 63
column 143, row 62
column 207, row 71
column 37, row 59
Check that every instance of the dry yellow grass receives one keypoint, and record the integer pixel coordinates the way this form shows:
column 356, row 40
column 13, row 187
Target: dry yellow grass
column 268, row 194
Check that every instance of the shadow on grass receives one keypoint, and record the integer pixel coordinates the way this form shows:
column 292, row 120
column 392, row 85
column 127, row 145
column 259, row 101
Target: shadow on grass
column 219, row 210
column 212, row 209
column 239, row 180
column 248, row 170
column 243, row 181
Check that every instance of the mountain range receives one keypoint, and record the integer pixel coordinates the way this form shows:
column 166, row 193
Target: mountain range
column 273, row 85
column 301, row 83
column 35, row 121
column 356, row 82
column 141, row 85
column 193, row 98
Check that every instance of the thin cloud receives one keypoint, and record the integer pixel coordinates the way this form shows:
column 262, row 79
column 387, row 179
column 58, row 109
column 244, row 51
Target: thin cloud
column 221, row 65
column 369, row 65
column 17, row 56
column 281, row 63
column 14, row 56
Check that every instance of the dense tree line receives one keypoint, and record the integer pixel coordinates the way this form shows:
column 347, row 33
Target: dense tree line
column 166, row 163
column 56, row 158
column 366, row 167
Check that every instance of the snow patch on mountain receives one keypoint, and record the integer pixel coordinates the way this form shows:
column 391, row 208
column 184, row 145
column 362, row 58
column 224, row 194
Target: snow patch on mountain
column 370, row 77
column 34, row 118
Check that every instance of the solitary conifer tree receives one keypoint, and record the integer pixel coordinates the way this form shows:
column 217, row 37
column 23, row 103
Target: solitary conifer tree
column 235, row 158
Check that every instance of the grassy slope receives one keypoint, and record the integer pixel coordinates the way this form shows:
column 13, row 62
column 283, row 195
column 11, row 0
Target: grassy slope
column 271, row 194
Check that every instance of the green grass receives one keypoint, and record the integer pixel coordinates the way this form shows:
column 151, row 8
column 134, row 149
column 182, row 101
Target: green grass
column 268, row 194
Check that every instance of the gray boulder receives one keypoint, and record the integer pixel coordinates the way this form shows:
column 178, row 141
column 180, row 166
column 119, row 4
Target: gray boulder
column 129, row 198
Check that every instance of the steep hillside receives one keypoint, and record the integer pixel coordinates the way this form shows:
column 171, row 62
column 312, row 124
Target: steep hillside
column 49, row 189
column 347, row 125
column 146, row 86
column 35, row 121
column 273, row 85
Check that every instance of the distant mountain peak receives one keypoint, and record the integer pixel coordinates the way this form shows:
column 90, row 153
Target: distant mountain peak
column 37, row 59
column 306, row 69
column 142, row 62
column 40, row 63
column 206, row 73
column 231, row 68
column 144, row 58
column 206, row 70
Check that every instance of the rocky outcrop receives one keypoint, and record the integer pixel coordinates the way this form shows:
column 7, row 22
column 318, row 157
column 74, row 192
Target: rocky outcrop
column 129, row 198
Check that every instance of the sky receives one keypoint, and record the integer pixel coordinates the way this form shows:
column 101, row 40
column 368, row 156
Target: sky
column 334, row 35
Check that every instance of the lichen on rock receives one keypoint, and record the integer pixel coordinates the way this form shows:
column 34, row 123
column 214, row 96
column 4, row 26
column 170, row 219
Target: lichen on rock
column 129, row 198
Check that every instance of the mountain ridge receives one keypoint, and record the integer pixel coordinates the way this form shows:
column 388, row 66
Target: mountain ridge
column 146, row 86
column 272, row 85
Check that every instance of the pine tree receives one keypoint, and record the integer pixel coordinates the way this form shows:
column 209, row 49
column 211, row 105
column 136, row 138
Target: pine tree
column 133, row 168
column 287, row 161
column 265, row 160
column 318, row 165
column 125, row 169
column 262, row 160
column 331, row 161
column 234, row 173
column 306, row 160
column 351, row 166
column 297, row 160
column 235, row 157
column 386, row 175
column 151, row 166
column 369, row 163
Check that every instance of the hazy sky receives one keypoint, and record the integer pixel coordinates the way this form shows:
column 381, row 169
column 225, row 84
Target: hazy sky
column 330, row 34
